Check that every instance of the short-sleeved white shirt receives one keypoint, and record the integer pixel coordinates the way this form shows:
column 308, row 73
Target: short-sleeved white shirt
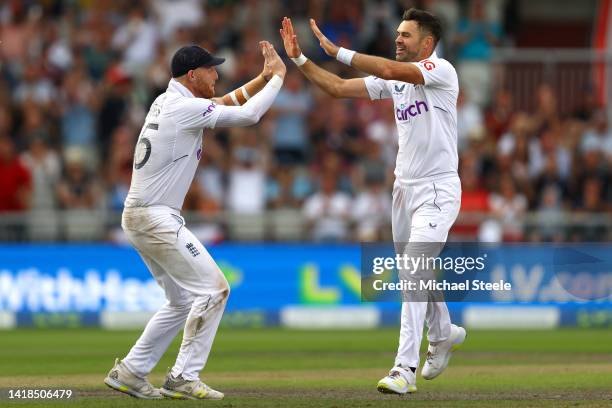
column 426, row 118
column 169, row 147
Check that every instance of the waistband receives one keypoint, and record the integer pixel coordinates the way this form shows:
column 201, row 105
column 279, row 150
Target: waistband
column 154, row 209
column 435, row 177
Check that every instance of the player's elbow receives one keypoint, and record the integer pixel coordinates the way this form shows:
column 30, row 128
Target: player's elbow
column 387, row 73
column 252, row 120
column 251, row 117
column 336, row 90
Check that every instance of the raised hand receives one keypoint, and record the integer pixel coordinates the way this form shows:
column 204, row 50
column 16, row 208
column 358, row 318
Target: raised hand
column 273, row 64
column 329, row 47
column 292, row 48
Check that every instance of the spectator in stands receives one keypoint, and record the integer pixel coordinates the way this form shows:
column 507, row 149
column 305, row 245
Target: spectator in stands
column 549, row 220
column 475, row 202
column 246, row 192
column 592, row 165
column 598, row 136
column 45, row 168
column 97, row 52
column 546, row 115
column 341, row 134
column 328, row 211
column 475, row 39
column 114, row 106
column 513, row 153
column 35, row 85
column 15, row 189
column 591, row 203
column 509, row 206
column 35, row 123
column 290, row 110
column 77, row 188
column 550, row 177
column 499, row 115
column 549, row 145
column 371, row 212
column 210, row 176
column 280, row 191
column 342, row 22
column 16, row 185
column 119, row 166
column 136, row 39
column 77, row 107
column 469, row 120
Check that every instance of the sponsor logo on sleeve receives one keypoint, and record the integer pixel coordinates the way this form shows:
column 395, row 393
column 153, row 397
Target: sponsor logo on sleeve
column 210, row 108
column 428, row 65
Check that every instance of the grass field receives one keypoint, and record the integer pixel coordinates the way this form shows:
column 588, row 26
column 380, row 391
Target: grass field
column 290, row 368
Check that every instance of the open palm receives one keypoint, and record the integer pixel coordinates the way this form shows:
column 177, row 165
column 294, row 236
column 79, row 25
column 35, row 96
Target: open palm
column 292, row 48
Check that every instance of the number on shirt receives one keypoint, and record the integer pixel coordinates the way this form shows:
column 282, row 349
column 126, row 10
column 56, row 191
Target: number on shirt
column 143, row 147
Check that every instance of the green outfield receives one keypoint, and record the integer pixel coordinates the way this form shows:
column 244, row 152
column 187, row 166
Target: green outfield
column 291, row 368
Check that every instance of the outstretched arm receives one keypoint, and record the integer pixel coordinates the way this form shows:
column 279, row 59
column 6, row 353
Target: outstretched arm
column 331, row 83
column 240, row 95
column 250, row 113
column 380, row 67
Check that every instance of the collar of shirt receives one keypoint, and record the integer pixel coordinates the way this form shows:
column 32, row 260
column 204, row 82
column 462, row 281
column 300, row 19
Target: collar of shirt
column 176, row 86
column 432, row 56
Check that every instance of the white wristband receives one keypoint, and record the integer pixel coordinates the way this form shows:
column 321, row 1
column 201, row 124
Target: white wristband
column 299, row 61
column 345, row 56
column 233, row 97
column 244, row 93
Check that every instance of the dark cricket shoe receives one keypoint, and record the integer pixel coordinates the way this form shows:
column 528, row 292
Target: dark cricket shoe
column 121, row 379
column 179, row 388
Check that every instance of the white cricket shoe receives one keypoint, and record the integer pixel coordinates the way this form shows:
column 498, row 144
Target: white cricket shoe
column 399, row 381
column 121, row 379
column 179, row 388
column 439, row 355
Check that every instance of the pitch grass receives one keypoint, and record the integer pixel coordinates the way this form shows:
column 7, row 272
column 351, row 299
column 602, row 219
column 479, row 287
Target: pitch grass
column 293, row 368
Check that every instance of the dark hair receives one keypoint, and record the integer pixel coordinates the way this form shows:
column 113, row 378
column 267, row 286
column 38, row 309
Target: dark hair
column 426, row 21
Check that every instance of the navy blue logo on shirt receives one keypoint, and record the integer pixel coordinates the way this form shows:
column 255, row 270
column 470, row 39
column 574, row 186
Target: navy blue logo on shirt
column 210, row 108
column 400, row 89
column 192, row 249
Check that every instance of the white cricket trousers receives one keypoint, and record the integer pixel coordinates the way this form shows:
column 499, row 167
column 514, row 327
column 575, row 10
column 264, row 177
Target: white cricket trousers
column 195, row 288
column 423, row 213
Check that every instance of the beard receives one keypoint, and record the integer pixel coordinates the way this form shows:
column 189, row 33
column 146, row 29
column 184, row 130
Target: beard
column 407, row 56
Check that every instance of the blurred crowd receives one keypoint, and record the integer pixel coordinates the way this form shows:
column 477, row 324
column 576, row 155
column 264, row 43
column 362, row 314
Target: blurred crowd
column 77, row 78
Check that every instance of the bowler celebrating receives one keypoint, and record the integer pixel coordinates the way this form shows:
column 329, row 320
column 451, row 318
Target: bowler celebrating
column 427, row 190
column 167, row 154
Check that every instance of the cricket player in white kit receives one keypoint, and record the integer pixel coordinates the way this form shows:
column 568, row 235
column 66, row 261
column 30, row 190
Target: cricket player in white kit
column 427, row 190
column 166, row 158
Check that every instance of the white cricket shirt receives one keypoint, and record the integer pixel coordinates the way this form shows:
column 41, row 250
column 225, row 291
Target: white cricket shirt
column 169, row 148
column 426, row 118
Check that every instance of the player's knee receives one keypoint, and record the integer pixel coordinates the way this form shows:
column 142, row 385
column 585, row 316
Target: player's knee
column 223, row 285
column 225, row 289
